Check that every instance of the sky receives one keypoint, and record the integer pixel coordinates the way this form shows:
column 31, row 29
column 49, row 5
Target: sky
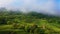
column 45, row 6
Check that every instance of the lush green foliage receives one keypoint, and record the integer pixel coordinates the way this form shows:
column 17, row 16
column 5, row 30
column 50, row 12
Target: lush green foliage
column 16, row 22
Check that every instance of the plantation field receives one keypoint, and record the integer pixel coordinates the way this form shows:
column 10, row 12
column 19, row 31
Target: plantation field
column 31, row 23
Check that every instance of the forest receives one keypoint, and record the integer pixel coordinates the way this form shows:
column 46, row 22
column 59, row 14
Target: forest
column 17, row 22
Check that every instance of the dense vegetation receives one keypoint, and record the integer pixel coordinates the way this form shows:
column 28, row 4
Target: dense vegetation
column 17, row 22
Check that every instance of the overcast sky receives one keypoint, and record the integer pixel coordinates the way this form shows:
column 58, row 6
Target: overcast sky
column 48, row 6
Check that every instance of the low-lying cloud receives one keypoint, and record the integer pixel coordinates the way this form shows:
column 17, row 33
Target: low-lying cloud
column 47, row 6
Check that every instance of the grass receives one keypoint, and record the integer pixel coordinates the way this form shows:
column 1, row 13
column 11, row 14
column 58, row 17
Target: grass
column 49, row 28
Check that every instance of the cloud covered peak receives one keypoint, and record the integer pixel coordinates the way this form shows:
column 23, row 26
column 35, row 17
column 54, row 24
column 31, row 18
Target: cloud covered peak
column 47, row 6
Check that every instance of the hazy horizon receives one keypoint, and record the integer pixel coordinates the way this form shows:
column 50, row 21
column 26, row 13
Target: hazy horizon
column 46, row 6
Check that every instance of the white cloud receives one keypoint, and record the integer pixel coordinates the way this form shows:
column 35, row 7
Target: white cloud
column 46, row 5
column 4, row 3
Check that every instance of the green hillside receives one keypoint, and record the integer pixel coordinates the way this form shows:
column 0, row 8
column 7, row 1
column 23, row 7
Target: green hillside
column 16, row 22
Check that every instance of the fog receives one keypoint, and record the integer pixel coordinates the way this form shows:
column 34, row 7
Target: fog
column 44, row 6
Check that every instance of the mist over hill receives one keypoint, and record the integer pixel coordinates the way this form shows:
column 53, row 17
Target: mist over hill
column 42, row 6
column 26, row 12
